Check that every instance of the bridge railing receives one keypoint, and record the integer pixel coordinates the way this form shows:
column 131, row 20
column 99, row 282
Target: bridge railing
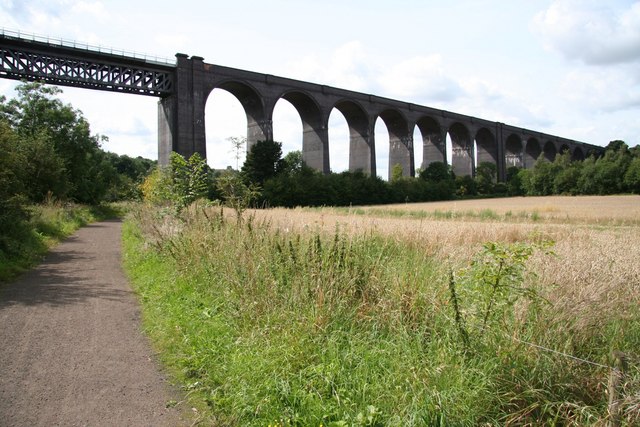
column 152, row 59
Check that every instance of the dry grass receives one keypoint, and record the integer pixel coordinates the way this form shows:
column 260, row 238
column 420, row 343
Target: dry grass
column 584, row 209
column 596, row 270
column 592, row 285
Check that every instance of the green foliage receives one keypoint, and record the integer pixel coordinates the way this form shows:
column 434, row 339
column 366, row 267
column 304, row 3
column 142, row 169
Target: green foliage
column 437, row 172
column 156, row 187
column 40, row 227
column 353, row 330
column 264, row 161
column 632, row 176
column 59, row 156
column 486, row 176
column 396, row 173
column 612, row 173
column 515, row 177
column 491, row 286
column 189, row 179
column 465, row 186
column 179, row 184
column 235, row 193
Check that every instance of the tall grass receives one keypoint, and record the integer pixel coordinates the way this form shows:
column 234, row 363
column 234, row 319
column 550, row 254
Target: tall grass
column 268, row 325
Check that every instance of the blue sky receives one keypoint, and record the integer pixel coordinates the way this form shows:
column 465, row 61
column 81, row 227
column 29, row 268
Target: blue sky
column 566, row 67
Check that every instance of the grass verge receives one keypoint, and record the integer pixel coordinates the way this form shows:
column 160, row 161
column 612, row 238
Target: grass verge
column 267, row 327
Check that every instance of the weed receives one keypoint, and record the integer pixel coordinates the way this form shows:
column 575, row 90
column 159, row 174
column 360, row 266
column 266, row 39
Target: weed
column 311, row 323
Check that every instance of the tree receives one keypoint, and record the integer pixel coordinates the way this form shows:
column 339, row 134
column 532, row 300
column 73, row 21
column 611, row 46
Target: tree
column 189, row 179
column 437, row 172
column 396, row 172
column 486, row 174
column 237, row 143
column 264, row 161
column 632, row 176
column 57, row 140
column 514, row 180
column 292, row 162
column 12, row 211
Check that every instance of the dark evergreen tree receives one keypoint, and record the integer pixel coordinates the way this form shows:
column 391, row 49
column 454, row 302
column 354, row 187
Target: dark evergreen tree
column 264, row 161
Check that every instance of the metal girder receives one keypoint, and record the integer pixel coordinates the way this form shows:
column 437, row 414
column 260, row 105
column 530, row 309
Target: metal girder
column 56, row 68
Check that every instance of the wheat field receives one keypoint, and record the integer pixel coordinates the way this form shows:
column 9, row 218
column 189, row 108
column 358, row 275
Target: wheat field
column 344, row 313
column 597, row 240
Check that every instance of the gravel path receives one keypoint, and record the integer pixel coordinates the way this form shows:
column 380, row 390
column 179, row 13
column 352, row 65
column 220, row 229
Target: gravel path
column 71, row 349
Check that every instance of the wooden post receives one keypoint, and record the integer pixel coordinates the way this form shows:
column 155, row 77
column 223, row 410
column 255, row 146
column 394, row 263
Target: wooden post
column 616, row 381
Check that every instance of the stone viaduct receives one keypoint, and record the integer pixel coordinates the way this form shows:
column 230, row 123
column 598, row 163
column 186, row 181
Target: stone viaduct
column 184, row 86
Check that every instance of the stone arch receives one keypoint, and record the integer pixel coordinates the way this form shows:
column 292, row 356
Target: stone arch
column 362, row 154
column 433, row 141
column 564, row 148
column 578, row 154
column 400, row 141
column 513, row 151
column 549, row 151
column 532, row 151
column 315, row 138
column 461, row 149
column 259, row 126
column 486, row 146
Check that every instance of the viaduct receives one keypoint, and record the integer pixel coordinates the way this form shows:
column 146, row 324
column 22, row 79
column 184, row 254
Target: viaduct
column 183, row 88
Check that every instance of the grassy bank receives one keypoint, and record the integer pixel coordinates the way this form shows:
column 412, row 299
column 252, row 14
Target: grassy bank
column 270, row 325
column 46, row 225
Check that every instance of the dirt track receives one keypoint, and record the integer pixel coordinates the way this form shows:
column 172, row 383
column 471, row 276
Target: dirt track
column 71, row 349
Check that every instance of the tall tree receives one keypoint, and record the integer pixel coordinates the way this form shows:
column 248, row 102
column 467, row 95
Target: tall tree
column 264, row 161
column 56, row 139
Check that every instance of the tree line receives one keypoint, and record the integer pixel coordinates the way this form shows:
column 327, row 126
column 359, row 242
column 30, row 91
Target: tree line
column 47, row 153
column 267, row 179
column 289, row 182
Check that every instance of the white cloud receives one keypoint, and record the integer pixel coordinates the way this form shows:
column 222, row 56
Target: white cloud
column 349, row 66
column 593, row 31
column 94, row 9
column 422, row 79
column 605, row 89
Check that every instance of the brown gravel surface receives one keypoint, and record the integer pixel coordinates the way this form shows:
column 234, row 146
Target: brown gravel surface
column 71, row 349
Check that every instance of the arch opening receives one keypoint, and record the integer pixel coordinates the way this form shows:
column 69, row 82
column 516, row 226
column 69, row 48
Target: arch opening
column 362, row 155
column 531, row 152
column 259, row 126
column 225, row 118
column 338, row 142
column 513, row 151
column 418, row 150
column 486, row 147
column 315, row 137
column 578, row 154
column 381, row 149
column 287, row 126
column 550, row 151
column 400, row 147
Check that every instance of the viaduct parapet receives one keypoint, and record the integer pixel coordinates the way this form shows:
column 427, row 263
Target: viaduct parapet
column 184, row 86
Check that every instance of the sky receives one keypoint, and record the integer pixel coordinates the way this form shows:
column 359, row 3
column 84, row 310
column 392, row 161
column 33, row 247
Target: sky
column 565, row 67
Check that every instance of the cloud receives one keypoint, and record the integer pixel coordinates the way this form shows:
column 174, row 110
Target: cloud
column 349, row 66
column 422, row 79
column 605, row 89
column 593, row 31
column 94, row 9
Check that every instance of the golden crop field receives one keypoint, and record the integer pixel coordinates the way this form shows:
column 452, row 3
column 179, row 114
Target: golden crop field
column 597, row 239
